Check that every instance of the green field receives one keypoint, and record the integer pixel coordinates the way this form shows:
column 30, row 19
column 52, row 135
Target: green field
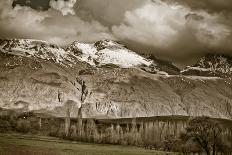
column 15, row 144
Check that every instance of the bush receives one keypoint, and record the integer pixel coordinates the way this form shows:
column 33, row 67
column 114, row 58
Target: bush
column 5, row 126
column 23, row 126
column 172, row 143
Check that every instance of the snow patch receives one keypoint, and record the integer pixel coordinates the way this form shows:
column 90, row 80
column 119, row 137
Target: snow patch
column 34, row 48
column 121, row 57
column 118, row 55
column 196, row 68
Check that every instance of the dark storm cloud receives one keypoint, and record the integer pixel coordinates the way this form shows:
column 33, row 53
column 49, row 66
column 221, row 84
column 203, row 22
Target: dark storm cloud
column 174, row 31
column 34, row 4
column 108, row 12
column 179, row 30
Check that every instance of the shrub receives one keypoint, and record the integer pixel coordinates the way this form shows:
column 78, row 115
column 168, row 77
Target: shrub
column 23, row 126
column 5, row 126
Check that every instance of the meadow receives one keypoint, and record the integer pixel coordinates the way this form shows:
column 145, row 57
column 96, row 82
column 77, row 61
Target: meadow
column 18, row 144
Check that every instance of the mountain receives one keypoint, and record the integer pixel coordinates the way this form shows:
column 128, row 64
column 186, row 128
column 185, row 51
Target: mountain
column 108, row 53
column 107, row 79
column 33, row 48
column 211, row 65
column 104, row 53
column 165, row 65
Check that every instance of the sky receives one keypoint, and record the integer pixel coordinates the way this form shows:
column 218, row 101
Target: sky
column 177, row 30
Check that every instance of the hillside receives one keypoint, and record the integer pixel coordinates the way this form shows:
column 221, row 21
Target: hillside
column 42, row 77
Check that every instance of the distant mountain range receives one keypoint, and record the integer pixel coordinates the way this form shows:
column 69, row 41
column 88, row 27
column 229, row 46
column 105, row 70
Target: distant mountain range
column 44, row 78
column 211, row 65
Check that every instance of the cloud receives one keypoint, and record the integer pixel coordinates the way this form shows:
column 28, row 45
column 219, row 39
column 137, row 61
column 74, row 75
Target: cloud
column 108, row 12
column 65, row 7
column 150, row 27
column 212, row 6
column 50, row 25
column 210, row 31
column 174, row 30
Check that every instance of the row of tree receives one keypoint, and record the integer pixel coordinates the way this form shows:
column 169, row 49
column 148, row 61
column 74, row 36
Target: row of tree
column 201, row 135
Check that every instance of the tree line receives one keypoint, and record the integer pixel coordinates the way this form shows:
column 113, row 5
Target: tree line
column 199, row 135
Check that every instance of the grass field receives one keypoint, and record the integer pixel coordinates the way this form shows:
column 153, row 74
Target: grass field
column 15, row 144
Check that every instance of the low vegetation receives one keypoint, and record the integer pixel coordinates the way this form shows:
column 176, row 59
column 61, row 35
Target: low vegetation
column 201, row 135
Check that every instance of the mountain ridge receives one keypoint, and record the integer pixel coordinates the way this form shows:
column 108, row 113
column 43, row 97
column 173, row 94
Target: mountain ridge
column 54, row 83
column 98, row 54
column 211, row 65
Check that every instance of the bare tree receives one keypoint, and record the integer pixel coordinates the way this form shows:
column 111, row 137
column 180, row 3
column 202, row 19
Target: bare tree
column 67, row 121
column 84, row 93
column 68, row 105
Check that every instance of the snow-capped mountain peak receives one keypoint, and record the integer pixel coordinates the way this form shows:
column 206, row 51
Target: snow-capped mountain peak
column 107, row 52
column 33, row 48
column 102, row 44
column 103, row 53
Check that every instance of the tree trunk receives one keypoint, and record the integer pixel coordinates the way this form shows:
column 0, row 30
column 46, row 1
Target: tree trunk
column 207, row 151
column 214, row 149
column 40, row 123
column 67, row 123
column 79, row 123
column 214, row 142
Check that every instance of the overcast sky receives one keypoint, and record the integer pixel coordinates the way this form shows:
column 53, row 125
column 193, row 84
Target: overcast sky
column 177, row 30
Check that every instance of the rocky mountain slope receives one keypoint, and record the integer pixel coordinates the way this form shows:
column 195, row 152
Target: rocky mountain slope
column 211, row 65
column 117, row 82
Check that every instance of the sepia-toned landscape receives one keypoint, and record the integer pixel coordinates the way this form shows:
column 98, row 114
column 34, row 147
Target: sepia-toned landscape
column 113, row 86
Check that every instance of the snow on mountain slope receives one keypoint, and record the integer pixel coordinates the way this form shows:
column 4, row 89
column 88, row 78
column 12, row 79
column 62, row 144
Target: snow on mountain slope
column 34, row 48
column 107, row 52
column 103, row 53
column 211, row 65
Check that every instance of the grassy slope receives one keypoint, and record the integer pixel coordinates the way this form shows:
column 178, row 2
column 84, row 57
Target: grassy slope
column 15, row 144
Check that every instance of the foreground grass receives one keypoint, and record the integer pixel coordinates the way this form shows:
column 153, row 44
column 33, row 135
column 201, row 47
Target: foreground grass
column 14, row 144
